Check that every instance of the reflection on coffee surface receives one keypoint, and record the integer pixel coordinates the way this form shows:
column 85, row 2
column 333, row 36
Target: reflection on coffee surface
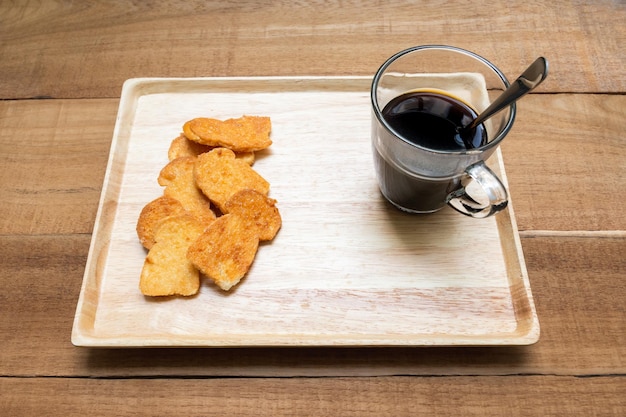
column 433, row 120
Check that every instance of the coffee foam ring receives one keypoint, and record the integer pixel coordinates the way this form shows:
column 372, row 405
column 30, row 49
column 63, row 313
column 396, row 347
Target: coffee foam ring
column 469, row 87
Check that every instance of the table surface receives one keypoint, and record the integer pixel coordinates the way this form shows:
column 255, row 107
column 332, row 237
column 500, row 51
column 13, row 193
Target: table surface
column 62, row 65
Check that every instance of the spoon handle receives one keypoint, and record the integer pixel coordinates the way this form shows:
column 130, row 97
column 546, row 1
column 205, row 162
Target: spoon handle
column 531, row 78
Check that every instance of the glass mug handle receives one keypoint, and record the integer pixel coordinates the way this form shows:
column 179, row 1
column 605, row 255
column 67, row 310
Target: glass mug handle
column 492, row 187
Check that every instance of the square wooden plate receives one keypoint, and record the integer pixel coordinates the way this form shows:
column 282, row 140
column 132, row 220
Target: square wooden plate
column 346, row 269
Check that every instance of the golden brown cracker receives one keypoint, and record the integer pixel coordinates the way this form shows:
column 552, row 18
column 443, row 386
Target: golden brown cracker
column 166, row 269
column 189, row 133
column 220, row 175
column 257, row 210
column 225, row 251
column 181, row 146
column 247, row 157
column 178, row 179
column 243, row 134
column 210, row 167
column 153, row 214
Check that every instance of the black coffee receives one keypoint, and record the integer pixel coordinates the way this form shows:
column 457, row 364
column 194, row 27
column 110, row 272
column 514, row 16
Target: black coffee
column 432, row 121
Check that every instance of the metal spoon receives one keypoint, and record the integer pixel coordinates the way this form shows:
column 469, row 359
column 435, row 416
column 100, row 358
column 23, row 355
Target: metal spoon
column 531, row 78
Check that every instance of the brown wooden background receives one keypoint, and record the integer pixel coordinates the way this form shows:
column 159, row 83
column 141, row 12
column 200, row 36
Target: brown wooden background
column 62, row 65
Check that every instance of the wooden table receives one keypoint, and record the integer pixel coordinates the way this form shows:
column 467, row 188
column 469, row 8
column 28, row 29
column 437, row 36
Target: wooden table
column 62, row 65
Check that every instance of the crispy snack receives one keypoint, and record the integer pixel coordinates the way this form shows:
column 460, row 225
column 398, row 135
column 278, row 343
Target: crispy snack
column 166, row 269
column 219, row 175
column 244, row 134
column 153, row 214
column 178, row 179
column 258, row 211
column 181, row 146
column 209, row 169
column 247, row 157
column 225, row 251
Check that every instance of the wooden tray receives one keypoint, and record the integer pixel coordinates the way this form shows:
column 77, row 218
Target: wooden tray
column 346, row 269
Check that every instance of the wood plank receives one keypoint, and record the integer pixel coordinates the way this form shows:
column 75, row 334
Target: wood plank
column 578, row 287
column 587, row 145
column 581, row 335
column 87, row 49
column 543, row 396
column 50, row 179
column 566, row 162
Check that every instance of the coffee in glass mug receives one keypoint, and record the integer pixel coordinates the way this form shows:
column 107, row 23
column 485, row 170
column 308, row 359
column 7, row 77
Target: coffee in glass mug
column 422, row 99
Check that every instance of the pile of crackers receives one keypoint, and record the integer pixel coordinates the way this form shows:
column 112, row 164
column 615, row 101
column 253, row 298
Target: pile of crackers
column 214, row 210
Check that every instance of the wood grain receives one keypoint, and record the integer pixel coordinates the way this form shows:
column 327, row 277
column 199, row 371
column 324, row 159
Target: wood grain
column 581, row 315
column 379, row 277
column 87, row 49
column 43, row 193
column 53, row 155
column 566, row 188
column 567, row 167
column 544, row 396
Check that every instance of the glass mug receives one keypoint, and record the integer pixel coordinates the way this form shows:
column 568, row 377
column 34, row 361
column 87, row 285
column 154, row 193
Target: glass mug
column 421, row 164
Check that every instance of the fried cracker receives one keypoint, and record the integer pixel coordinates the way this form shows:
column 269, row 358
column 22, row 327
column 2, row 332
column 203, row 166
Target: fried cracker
column 178, row 179
column 220, row 175
column 166, row 269
column 247, row 157
column 257, row 210
column 243, row 134
column 181, row 146
column 153, row 214
column 225, row 251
